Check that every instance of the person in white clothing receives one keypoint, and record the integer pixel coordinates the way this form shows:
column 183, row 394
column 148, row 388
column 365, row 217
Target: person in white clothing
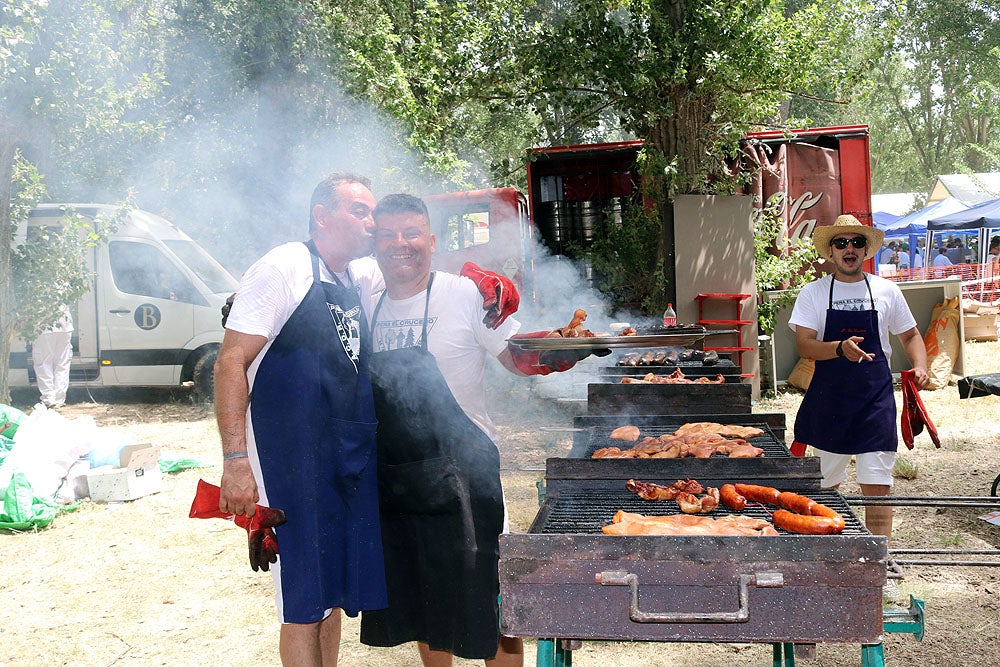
column 51, row 355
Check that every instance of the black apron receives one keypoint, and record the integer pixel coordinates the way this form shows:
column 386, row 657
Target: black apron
column 313, row 420
column 441, row 507
column 849, row 407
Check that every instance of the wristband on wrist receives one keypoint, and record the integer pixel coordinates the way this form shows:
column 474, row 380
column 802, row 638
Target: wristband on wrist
column 234, row 455
column 840, row 349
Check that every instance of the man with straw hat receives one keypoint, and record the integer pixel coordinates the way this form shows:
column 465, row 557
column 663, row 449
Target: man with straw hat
column 843, row 321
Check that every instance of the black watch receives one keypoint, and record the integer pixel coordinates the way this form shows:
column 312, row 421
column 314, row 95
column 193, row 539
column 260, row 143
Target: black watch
column 840, row 349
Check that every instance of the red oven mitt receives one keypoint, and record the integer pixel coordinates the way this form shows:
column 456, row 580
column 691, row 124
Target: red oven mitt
column 543, row 362
column 260, row 527
column 915, row 416
column 798, row 448
column 500, row 297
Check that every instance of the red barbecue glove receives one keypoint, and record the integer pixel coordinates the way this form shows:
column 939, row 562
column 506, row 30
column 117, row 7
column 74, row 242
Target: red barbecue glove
column 798, row 448
column 543, row 362
column 500, row 297
column 915, row 416
column 260, row 527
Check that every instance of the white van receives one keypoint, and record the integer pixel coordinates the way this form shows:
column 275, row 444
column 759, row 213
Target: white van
column 152, row 318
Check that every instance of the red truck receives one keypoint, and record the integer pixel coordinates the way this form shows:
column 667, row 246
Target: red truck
column 575, row 192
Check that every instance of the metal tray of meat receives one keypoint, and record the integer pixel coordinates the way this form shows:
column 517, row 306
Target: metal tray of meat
column 606, row 342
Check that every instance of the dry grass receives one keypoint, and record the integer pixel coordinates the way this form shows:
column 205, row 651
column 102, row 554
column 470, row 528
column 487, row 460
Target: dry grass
column 141, row 584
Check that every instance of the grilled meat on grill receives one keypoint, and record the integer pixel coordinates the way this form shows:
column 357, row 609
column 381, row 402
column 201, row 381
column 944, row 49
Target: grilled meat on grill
column 651, row 491
column 628, row 523
column 627, row 433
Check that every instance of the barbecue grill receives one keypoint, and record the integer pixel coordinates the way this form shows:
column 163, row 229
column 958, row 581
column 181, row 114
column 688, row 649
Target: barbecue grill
column 691, row 370
column 667, row 399
column 566, row 579
column 592, row 433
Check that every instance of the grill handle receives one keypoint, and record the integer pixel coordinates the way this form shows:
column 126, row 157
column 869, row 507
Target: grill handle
column 741, row 615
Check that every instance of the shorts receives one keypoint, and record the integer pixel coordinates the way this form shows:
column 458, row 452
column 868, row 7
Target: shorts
column 872, row 467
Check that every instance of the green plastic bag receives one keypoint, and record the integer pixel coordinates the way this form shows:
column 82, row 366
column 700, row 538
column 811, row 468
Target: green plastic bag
column 12, row 417
column 169, row 463
column 22, row 510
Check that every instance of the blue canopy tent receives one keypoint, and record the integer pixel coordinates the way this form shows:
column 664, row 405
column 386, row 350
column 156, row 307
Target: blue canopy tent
column 982, row 217
column 881, row 219
column 914, row 225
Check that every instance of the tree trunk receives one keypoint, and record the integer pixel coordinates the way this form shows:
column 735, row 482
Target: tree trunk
column 681, row 139
column 7, row 151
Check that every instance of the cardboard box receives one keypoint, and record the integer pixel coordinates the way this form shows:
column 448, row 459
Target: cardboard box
column 139, row 475
column 981, row 326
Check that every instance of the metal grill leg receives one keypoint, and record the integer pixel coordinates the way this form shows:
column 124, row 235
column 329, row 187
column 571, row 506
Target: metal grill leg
column 564, row 656
column 545, row 653
column 872, row 655
column 786, row 651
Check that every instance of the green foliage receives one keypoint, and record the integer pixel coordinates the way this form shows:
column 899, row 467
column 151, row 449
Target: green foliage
column 905, row 469
column 778, row 265
column 49, row 268
column 626, row 259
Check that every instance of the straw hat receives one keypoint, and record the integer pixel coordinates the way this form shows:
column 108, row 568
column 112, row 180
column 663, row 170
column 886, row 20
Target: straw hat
column 846, row 224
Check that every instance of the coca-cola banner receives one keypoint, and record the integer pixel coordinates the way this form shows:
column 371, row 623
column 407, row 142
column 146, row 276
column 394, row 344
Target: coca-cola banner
column 801, row 182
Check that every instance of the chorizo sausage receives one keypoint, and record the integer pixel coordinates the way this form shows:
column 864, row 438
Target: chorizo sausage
column 761, row 494
column 806, row 525
column 730, row 498
column 796, row 503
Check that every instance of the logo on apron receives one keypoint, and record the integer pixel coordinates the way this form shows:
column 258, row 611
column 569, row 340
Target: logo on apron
column 349, row 329
column 399, row 334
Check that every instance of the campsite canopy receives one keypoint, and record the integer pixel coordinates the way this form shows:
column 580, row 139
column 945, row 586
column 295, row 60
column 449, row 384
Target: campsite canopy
column 881, row 219
column 916, row 223
column 980, row 216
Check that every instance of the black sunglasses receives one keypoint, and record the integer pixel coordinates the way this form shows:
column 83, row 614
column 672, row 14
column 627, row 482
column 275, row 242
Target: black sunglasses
column 857, row 242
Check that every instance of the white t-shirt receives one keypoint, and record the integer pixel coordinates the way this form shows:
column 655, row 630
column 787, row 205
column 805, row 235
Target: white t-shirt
column 456, row 335
column 894, row 315
column 942, row 260
column 270, row 291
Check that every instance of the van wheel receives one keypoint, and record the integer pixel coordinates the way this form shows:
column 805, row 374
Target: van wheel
column 204, row 374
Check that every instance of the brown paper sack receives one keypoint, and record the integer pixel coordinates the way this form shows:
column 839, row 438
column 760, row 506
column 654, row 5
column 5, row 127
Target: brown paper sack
column 942, row 342
column 802, row 374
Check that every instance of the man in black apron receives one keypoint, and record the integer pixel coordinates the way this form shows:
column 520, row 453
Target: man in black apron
column 297, row 419
column 843, row 322
column 439, row 470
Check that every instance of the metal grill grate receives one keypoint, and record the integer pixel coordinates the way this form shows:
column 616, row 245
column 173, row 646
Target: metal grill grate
column 587, row 510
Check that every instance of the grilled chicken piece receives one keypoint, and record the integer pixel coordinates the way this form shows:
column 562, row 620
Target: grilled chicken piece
column 626, row 433
column 628, row 523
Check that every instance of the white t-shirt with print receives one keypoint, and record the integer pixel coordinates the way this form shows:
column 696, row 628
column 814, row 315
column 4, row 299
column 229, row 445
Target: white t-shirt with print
column 456, row 336
column 894, row 315
column 270, row 291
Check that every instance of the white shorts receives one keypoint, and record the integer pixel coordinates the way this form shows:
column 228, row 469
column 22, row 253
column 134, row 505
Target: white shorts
column 872, row 467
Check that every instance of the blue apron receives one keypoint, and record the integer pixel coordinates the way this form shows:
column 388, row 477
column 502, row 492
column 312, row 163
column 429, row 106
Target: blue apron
column 314, row 424
column 442, row 510
column 849, row 407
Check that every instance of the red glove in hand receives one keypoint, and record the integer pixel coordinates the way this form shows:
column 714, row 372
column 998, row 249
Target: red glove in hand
column 798, row 448
column 915, row 416
column 260, row 527
column 543, row 362
column 500, row 297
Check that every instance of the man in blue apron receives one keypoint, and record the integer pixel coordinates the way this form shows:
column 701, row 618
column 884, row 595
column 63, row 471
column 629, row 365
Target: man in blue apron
column 296, row 415
column 843, row 322
column 439, row 469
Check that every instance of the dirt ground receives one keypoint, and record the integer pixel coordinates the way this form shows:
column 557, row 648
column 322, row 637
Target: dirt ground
column 139, row 583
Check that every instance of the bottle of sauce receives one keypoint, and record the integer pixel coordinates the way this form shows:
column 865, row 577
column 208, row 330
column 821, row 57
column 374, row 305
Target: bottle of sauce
column 669, row 316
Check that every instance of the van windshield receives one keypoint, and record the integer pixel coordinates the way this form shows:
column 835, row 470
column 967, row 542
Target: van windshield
column 204, row 266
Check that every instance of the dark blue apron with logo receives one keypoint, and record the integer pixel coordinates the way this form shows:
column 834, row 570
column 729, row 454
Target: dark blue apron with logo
column 442, row 510
column 849, row 407
column 313, row 419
